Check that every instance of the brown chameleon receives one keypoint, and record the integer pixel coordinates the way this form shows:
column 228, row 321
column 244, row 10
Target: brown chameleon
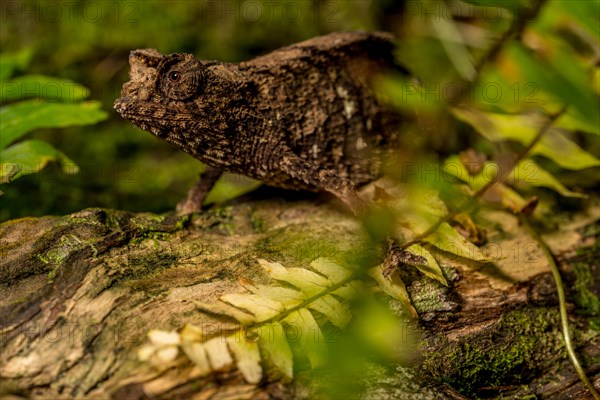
column 301, row 117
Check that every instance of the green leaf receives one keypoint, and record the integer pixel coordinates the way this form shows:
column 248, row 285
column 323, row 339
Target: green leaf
column 406, row 94
column 394, row 287
column 431, row 268
column 560, row 74
column 523, row 129
column 453, row 42
column 564, row 152
column 308, row 336
column 29, row 157
column 309, row 282
column 286, row 296
column 9, row 62
column 529, row 172
column 449, row 240
column 330, row 269
column 247, row 357
column 18, row 119
column 500, row 127
column 41, row 86
column 572, row 15
column 349, row 291
column 336, row 312
column 230, row 187
column 274, row 342
column 262, row 308
column 571, row 122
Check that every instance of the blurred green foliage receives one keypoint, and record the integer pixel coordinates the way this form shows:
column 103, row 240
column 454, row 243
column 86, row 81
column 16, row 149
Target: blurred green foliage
column 18, row 119
column 89, row 42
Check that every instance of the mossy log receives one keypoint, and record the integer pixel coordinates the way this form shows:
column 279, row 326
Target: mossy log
column 80, row 292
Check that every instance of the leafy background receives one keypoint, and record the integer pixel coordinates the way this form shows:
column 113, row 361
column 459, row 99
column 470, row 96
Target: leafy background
column 88, row 42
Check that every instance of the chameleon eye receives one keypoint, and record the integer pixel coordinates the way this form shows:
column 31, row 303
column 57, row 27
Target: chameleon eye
column 179, row 76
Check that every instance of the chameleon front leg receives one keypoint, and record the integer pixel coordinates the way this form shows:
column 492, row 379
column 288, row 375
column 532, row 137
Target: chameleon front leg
column 197, row 194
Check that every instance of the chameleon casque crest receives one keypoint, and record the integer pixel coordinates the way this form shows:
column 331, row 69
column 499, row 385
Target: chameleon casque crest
column 301, row 117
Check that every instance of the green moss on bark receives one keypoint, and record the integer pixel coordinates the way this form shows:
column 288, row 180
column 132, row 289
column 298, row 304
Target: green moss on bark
column 512, row 352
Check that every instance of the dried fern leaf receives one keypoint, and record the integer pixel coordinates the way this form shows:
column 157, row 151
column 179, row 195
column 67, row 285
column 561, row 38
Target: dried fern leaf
column 218, row 354
column 196, row 352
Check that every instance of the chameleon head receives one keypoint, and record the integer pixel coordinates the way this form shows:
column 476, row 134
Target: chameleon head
column 161, row 89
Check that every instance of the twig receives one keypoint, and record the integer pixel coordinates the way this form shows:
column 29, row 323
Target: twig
column 562, row 305
column 516, row 29
column 521, row 156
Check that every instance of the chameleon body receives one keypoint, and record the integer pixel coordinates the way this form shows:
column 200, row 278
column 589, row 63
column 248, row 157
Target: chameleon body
column 301, row 117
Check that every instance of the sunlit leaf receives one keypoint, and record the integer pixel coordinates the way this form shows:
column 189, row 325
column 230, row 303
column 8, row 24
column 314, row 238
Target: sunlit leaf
column 449, row 240
column 196, row 352
column 394, row 287
column 218, row 354
column 529, row 172
column 146, row 352
column 523, row 129
column 166, row 354
column 336, row 312
column 20, row 118
column 330, row 269
column 308, row 336
column 41, row 86
column 350, row 290
column 286, row 296
column 261, row 307
column 247, row 357
column 29, row 157
column 431, row 268
column 191, row 333
column 274, row 342
column 571, row 122
column 564, row 152
column 305, row 280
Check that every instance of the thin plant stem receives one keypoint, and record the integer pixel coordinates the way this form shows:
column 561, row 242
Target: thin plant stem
column 468, row 204
column 562, row 305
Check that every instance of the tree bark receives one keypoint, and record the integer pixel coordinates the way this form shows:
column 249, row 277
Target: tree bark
column 80, row 292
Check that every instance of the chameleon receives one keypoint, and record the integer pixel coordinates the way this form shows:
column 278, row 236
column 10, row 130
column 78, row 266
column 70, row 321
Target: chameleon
column 302, row 117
